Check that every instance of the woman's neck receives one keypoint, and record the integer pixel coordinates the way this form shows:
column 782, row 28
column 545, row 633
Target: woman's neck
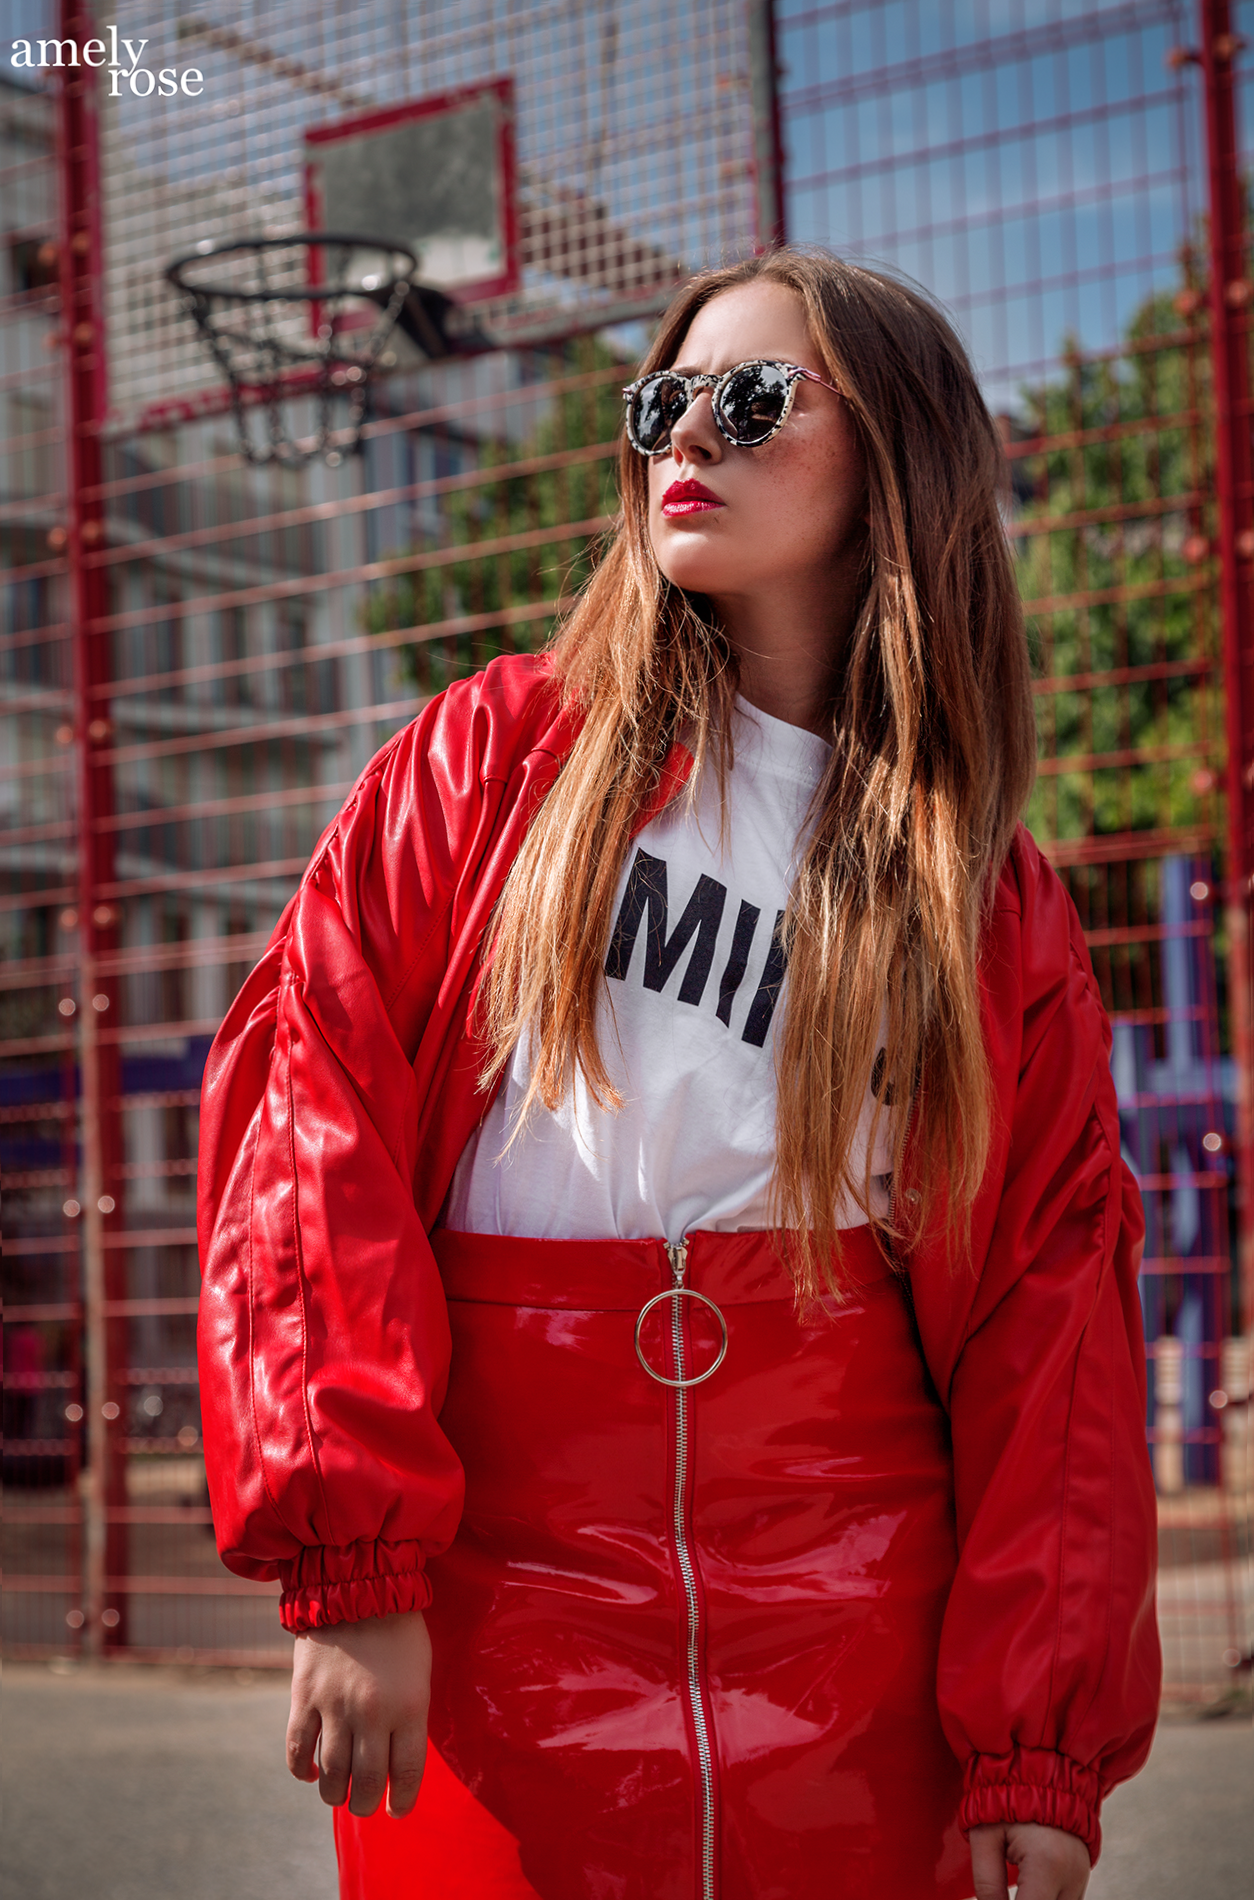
column 787, row 649
column 796, row 707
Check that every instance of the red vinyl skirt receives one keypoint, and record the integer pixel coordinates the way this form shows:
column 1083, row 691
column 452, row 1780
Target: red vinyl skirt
column 685, row 1640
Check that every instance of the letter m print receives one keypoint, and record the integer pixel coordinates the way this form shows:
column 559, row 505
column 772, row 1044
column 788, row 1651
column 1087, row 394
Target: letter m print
column 703, row 913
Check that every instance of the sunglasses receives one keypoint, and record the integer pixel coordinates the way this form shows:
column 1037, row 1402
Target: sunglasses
column 751, row 403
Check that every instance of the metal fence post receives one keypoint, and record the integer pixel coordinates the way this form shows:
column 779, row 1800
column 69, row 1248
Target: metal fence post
column 768, row 141
column 1231, row 294
column 83, row 355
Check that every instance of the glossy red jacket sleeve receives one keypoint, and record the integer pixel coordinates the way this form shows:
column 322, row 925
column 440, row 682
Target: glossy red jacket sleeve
column 1049, row 1664
column 323, row 1333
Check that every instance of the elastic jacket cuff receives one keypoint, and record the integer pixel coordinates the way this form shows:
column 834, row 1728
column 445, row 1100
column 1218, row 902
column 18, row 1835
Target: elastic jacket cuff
column 1034, row 1784
column 324, row 1585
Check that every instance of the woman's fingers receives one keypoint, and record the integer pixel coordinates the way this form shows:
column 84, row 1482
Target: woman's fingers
column 304, row 1725
column 405, row 1764
column 1052, row 1865
column 988, row 1862
column 358, row 1766
column 370, row 1769
column 335, row 1762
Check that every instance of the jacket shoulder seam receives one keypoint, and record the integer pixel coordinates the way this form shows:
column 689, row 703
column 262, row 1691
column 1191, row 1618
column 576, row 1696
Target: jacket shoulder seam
column 536, row 752
column 373, row 771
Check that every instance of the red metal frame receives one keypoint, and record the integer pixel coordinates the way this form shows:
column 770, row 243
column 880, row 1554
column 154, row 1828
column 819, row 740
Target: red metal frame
column 204, row 564
column 1231, row 293
column 768, row 132
column 444, row 102
column 86, row 398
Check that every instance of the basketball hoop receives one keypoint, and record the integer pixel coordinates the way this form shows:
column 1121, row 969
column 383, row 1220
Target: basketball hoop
column 305, row 315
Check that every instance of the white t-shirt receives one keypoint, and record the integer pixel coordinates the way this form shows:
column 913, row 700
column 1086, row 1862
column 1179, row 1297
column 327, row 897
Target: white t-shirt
column 694, row 975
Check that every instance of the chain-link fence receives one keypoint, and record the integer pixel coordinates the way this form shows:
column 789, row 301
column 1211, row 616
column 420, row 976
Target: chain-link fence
column 200, row 655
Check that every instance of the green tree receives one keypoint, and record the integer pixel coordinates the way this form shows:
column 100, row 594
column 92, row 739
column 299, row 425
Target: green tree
column 1113, row 560
column 1111, row 504
column 512, row 522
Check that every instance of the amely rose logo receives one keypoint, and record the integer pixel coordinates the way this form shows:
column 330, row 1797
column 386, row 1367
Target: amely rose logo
column 121, row 57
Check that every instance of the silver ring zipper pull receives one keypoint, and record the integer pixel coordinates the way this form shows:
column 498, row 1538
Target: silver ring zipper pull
column 678, row 1252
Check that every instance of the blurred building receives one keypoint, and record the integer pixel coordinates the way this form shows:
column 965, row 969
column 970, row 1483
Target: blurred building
column 201, row 654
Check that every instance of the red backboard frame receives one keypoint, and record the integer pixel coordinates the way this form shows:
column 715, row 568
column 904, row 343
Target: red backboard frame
column 508, row 280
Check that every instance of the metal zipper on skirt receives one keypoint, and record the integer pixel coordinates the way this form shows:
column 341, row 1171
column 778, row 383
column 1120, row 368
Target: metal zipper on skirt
column 678, row 1255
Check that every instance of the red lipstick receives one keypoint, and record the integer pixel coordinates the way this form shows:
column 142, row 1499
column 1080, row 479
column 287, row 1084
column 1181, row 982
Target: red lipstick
column 689, row 498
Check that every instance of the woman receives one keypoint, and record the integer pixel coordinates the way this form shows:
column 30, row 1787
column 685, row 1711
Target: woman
column 742, row 1374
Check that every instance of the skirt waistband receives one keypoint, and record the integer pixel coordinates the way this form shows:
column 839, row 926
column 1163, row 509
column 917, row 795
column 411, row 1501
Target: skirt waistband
column 620, row 1275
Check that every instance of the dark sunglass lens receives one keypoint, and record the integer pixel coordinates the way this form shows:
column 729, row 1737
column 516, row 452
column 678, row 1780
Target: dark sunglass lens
column 753, row 401
column 656, row 407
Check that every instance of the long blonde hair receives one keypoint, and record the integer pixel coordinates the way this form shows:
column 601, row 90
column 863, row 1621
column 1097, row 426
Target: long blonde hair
column 933, row 760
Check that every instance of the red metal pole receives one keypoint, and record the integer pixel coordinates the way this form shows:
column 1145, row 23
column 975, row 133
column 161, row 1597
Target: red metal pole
column 83, row 354
column 768, row 137
column 1231, row 295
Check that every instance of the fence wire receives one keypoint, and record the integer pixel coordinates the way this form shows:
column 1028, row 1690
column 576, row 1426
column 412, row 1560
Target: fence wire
column 261, row 631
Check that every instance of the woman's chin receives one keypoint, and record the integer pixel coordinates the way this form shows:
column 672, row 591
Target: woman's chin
column 697, row 570
column 702, row 584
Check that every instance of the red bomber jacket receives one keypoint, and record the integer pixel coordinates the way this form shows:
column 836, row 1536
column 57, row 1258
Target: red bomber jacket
column 338, row 1098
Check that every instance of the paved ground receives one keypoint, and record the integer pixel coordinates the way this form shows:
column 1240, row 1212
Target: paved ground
column 155, row 1785
column 169, row 1785
column 1184, row 1829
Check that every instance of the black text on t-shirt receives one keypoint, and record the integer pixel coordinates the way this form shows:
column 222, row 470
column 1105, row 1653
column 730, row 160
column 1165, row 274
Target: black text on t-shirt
column 702, row 916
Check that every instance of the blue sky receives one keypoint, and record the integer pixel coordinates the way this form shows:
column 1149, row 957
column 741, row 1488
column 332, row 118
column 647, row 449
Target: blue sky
column 1035, row 163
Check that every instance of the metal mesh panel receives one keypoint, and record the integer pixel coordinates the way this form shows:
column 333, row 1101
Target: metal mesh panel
column 634, row 144
column 1042, row 169
column 254, row 634
column 249, row 637
column 38, row 1119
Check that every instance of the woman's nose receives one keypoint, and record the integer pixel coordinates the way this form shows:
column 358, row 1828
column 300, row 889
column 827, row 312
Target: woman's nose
column 695, row 437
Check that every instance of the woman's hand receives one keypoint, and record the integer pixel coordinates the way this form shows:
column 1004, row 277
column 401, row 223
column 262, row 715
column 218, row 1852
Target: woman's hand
column 1052, row 1865
column 364, row 1689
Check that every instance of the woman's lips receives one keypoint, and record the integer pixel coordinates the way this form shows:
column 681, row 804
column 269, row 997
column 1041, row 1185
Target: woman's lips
column 688, row 498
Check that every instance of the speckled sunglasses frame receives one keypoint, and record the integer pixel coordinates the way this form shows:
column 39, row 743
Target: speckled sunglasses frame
column 790, row 375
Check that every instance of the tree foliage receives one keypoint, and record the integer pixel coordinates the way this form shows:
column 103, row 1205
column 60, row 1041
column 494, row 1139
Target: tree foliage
column 563, row 475
column 1110, row 527
column 1112, row 474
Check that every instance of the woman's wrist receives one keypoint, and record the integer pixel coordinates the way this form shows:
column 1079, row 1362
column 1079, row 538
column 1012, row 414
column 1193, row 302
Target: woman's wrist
column 1034, row 1786
column 1049, row 1863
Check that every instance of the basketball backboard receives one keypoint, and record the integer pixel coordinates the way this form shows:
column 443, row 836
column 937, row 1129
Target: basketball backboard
column 436, row 174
